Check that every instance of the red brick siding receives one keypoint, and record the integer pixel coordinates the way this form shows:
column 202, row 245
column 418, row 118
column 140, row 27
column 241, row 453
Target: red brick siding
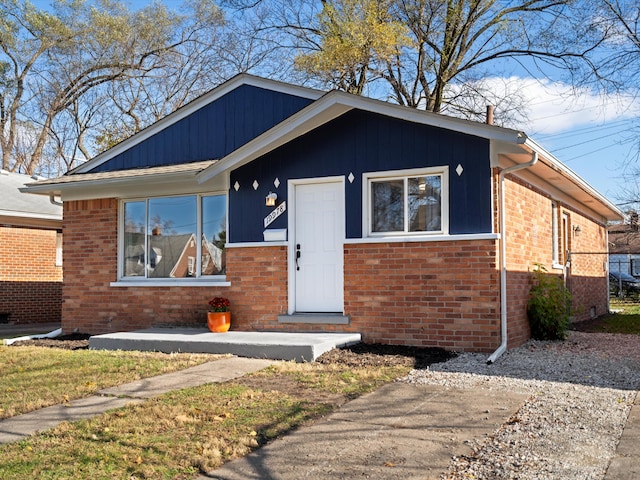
column 529, row 241
column 30, row 281
column 257, row 275
column 426, row 293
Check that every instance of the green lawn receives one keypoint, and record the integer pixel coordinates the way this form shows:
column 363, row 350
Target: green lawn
column 37, row 377
column 626, row 319
column 173, row 436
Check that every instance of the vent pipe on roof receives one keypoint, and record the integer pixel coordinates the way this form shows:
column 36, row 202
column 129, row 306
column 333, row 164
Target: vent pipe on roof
column 490, row 109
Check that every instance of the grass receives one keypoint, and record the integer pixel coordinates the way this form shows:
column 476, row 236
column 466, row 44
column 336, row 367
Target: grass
column 625, row 320
column 182, row 433
column 37, row 377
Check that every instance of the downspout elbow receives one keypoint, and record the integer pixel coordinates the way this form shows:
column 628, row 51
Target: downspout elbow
column 53, row 200
column 503, row 260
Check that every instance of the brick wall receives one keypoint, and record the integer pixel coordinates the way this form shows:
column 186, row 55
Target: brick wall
column 258, row 277
column 30, row 281
column 529, row 241
column 426, row 293
column 414, row 293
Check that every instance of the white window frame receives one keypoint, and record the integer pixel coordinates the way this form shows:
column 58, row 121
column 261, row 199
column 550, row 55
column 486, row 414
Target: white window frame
column 198, row 279
column 367, row 206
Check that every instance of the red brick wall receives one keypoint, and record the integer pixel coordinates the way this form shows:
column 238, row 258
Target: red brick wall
column 426, row 293
column 258, row 277
column 442, row 293
column 30, row 281
column 529, row 241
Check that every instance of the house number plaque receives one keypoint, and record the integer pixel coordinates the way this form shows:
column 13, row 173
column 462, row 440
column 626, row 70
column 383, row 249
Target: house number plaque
column 279, row 210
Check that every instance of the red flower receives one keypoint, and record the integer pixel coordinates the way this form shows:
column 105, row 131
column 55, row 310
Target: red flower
column 220, row 304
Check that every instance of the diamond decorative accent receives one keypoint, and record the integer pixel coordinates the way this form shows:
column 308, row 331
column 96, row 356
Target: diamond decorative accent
column 351, row 177
column 236, row 186
column 255, row 184
column 459, row 169
column 276, row 182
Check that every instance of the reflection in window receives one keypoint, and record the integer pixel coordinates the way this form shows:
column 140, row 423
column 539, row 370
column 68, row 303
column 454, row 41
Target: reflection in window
column 160, row 237
column 214, row 235
column 409, row 204
column 388, row 206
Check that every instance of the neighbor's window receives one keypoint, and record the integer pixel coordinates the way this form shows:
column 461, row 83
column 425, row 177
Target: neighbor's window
column 174, row 237
column 407, row 204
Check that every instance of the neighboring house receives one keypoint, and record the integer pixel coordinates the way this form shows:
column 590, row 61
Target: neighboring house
column 624, row 247
column 30, row 254
column 336, row 213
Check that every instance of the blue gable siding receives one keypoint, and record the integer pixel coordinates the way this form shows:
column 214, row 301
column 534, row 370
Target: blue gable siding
column 360, row 142
column 211, row 132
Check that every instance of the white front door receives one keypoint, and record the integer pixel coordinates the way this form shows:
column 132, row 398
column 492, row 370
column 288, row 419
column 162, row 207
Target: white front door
column 318, row 247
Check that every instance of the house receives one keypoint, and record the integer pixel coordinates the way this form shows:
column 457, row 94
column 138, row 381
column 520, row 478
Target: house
column 30, row 254
column 624, row 247
column 332, row 213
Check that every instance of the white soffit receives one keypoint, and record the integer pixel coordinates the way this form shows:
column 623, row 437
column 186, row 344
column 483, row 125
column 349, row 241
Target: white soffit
column 550, row 175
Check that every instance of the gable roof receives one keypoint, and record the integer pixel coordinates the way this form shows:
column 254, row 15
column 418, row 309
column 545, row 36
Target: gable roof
column 19, row 208
column 507, row 146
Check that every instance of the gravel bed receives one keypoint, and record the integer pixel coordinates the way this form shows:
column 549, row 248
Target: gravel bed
column 580, row 394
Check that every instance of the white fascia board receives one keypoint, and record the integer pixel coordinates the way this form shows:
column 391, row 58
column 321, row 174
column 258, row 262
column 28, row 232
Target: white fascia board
column 39, row 216
column 168, row 184
column 335, row 104
column 193, row 106
column 569, row 174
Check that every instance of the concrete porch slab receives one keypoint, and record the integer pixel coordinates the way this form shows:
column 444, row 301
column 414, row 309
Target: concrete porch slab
column 301, row 347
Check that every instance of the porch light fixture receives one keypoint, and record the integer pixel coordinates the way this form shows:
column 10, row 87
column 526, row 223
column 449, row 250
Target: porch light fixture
column 577, row 230
column 270, row 200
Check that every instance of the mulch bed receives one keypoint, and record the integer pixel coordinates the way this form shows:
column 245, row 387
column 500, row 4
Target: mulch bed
column 360, row 355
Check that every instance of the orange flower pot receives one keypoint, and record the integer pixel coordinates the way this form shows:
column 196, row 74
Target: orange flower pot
column 219, row 322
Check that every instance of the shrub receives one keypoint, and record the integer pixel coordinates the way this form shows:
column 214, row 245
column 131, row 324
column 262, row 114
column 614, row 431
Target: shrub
column 549, row 306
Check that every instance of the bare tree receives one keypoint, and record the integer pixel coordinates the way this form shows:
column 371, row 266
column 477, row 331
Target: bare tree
column 445, row 50
column 137, row 65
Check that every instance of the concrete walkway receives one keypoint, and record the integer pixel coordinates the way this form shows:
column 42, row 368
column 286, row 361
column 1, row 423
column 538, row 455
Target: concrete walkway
column 16, row 428
column 301, row 347
column 400, row 431
column 625, row 464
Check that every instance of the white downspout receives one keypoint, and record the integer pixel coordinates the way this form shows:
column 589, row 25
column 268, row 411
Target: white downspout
column 53, row 200
column 503, row 259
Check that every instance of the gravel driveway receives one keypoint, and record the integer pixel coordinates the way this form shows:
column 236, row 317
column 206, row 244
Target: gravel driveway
column 580, row 394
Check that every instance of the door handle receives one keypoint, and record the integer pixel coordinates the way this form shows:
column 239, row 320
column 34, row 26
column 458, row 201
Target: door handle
column 297, row 256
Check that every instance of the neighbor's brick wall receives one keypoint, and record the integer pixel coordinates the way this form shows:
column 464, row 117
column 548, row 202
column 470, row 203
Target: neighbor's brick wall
column 529, row 241
column 30, row 281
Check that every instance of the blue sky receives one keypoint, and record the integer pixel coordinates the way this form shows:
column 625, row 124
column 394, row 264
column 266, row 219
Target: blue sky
column 591, row 134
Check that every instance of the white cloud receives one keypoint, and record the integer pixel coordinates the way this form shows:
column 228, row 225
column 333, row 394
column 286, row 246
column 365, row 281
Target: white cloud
column 554, row 107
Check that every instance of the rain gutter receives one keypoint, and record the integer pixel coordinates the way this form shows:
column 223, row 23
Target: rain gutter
column 503, row 259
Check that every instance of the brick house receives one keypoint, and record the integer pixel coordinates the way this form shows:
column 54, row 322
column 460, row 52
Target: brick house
column 30, row 254
column 332, row 212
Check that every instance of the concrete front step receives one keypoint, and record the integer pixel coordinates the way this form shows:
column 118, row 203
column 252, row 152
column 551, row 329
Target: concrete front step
column 301, row 347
